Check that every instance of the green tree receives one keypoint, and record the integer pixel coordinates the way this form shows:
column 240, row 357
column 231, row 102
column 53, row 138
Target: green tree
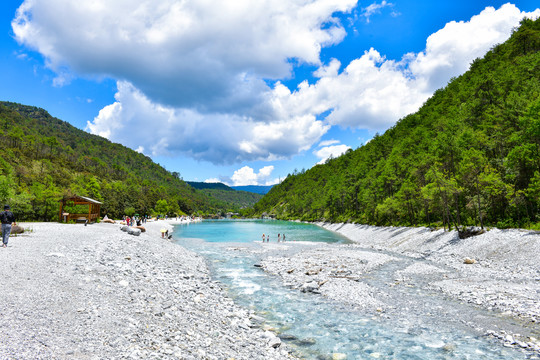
column 129, row 211
column 22, row 205
column 162, row 207
column 93, row 189
column 472, row 166
column 6, row 188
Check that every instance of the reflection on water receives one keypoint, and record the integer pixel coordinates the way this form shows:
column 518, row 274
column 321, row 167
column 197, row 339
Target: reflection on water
column 320, row 329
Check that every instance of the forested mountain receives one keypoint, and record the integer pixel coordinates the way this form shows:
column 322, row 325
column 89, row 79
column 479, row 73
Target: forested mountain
column 257, row 189
column 234, row 199
column 213, row 186
column 44, row 158
column 470, row 155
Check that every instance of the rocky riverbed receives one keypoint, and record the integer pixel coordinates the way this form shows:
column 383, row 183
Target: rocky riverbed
column 493, row 278
column 96, row 292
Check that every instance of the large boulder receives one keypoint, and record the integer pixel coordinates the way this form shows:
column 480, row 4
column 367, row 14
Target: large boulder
column 142, row 228
column 16, row 229
column 271, row 339
column 311, row 286
column 133, row 231
column 470, row 232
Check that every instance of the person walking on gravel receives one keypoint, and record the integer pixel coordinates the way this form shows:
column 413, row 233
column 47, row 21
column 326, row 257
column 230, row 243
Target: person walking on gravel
column 8, row 219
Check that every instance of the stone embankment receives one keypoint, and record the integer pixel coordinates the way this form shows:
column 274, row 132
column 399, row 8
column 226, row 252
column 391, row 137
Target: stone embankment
column 499, row 269
column 96, row 292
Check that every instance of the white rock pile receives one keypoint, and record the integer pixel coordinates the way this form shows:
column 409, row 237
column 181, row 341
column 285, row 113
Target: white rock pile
column 333, row 271
column 94, row 292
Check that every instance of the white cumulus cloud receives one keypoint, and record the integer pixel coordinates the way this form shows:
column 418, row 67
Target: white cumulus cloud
column 207, row 55
column 247, row 176
column 374, row 92
column 135, row 121
column 450, row 50
column 193, row 76
column 330, row 149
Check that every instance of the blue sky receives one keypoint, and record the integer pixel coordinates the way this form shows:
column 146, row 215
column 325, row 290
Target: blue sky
column 239, row 91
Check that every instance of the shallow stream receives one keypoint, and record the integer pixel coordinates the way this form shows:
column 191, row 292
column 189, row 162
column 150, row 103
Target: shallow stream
column 420, row 324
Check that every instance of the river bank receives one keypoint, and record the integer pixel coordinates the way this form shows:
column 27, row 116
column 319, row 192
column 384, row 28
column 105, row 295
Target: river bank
column 496, row 273
column 95, row 292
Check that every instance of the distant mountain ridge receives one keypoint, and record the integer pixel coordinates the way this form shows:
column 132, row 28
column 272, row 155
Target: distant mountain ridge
column 205, row 185
column 228, row 195
column 257, row 189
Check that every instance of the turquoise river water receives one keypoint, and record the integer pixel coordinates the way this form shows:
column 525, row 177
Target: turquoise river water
column 317, row 328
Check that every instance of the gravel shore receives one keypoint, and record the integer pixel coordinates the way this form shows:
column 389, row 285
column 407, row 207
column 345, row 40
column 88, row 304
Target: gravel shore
column 499, row 269
column 96, row 292
column 497, row 272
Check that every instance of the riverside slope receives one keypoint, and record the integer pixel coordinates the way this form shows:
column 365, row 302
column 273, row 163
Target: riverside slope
column 95, row 292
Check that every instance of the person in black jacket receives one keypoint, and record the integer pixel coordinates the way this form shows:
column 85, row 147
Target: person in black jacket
column 8, row 219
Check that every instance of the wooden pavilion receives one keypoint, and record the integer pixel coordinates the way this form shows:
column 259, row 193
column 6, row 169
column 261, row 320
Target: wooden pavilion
column 93, row 209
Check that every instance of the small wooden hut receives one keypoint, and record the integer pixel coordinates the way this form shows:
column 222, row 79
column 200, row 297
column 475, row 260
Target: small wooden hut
column 93, row 209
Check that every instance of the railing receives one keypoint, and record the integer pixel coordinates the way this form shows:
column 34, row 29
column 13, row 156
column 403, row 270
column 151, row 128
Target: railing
column 75, row 217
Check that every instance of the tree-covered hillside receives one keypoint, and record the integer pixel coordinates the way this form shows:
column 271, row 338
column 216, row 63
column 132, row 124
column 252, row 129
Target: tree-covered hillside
column 470, row 155
column 44, row 158
column 234, row 200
